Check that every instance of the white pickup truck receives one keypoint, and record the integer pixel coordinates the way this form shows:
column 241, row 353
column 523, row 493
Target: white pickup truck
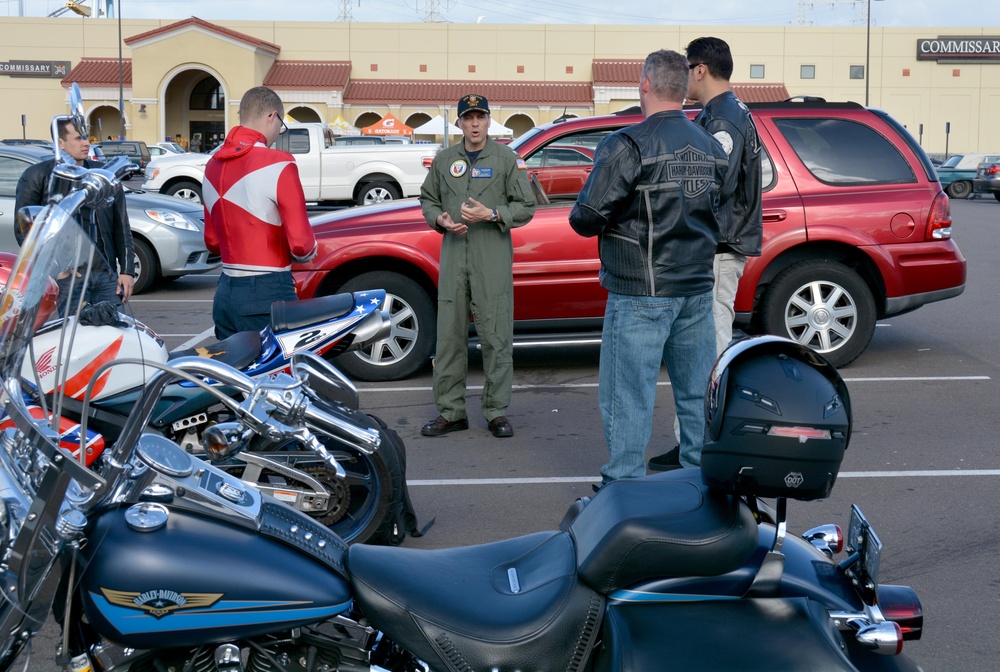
column 361, row 174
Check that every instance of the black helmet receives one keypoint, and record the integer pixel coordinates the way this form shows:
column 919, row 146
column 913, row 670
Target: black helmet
column 777, row 421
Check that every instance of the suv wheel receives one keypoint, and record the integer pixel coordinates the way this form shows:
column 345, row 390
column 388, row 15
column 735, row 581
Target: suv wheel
column 413, row 333
column 823, row 305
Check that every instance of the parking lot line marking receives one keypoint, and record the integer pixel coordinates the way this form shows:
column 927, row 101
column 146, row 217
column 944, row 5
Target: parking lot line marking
column 594, row 479
column 195, row 340
column 170, row 300
column 570, row 386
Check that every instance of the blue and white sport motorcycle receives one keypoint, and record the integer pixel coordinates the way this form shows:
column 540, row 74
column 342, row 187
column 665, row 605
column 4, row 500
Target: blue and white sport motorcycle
column 162, row 561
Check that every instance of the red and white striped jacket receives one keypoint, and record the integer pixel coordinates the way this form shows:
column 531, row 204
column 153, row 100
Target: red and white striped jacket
column 255, row 210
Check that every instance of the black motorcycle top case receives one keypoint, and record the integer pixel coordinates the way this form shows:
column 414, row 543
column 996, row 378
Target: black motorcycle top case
column 199, row 580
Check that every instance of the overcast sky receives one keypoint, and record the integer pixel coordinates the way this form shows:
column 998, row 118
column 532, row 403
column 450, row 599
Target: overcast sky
column 929, row 13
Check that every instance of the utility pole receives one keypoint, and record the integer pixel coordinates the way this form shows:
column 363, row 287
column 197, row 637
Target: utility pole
column 346, row 13
column 432, row 12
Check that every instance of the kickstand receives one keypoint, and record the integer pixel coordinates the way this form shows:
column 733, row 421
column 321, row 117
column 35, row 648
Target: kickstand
column 768, row 579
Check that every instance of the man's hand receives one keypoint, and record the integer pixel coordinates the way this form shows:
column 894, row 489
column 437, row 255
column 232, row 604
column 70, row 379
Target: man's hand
column 125, row 284
column 474, row 211
column 445, row 221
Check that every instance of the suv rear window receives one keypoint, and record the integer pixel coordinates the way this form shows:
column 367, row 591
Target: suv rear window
column 843, row 152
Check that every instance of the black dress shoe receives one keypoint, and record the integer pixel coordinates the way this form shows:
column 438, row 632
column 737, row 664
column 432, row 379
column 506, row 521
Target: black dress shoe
column 668, row 461
column 440, row 425
column 501, row 427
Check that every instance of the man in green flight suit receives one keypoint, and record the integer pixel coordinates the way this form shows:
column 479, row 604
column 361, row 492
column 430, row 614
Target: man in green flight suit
column 474, row 194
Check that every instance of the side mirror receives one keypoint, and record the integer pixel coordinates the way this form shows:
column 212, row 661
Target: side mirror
column 325, row 380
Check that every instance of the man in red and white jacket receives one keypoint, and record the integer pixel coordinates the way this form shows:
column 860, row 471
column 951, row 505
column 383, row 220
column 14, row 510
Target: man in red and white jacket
column 255, row 217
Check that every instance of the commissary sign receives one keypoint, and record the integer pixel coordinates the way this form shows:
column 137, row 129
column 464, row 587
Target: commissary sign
column 35, row 68
column 953, row 49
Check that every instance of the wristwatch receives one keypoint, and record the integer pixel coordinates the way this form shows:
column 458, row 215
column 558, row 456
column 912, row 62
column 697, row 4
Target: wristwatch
column 495, row 216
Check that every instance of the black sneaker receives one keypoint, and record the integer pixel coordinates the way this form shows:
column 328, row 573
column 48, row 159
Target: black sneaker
column 667, row 461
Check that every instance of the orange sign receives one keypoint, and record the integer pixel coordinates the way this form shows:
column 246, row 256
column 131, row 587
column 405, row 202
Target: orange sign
column 387, row 125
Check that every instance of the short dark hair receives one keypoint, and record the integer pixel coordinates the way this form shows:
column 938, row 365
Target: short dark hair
column 667, row 72
column 259, row 102
column 64, row 126
column 714, row 53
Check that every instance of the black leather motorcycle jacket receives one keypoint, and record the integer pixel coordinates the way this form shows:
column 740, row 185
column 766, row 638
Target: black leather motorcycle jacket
column 107, row 226
column 729, row 121
column 652, row 199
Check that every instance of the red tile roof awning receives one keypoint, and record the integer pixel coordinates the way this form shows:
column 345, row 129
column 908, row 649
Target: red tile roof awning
column 626, row 72
column 210, row 27
column 99, row 72
column 418, row 92
column 308, row 75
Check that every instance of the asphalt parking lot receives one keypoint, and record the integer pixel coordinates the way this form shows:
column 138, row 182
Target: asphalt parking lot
column 923, row 463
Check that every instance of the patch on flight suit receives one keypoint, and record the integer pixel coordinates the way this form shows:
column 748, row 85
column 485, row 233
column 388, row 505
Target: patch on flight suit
column 482, row 172
column 458, row 168
column 521, row 165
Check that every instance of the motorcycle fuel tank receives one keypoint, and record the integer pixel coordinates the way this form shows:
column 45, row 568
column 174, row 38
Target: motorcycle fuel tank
column 91, row 348
column 197, row 580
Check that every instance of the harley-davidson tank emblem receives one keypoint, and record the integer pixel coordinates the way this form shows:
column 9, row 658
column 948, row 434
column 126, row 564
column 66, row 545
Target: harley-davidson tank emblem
column 160, row 602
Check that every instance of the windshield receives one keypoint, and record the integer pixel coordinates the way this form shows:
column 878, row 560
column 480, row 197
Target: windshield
column 57, row 259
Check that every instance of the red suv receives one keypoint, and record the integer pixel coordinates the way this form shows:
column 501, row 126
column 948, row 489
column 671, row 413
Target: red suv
column 856, row 228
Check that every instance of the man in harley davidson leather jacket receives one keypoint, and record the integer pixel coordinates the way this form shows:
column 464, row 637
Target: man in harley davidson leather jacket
column 107, row 226
column 652, row 199
column 255, row 217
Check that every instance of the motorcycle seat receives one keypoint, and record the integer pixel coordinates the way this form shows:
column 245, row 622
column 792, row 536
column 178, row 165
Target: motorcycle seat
column 664, row 525
column 238, row 351
column 288, row 315
column 513, row 604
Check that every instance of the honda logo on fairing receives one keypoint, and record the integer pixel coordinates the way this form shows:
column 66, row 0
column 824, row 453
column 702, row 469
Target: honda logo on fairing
column 794, row 479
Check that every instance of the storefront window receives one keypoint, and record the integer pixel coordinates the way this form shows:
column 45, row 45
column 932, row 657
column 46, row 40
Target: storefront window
column 208, row 95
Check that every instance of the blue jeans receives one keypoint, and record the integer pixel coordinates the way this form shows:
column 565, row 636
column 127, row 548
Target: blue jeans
column 639, row 333
column 244, row 304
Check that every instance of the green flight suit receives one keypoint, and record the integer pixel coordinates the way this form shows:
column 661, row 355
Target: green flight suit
column 476, row 271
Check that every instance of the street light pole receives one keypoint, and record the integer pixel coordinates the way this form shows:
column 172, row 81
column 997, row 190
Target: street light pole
column 868, row 50
column 121, row 75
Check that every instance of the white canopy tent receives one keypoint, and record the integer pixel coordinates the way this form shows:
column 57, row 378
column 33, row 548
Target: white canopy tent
column 499, row 130
column 436, row 126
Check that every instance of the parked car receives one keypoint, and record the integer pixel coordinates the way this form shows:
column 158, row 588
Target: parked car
column 168, row 233
column 95, row 153
column 856, row 228
column 135, row 150
column 956, row 174
column 358, row 140
column 26, row 142
column 987, row 179
column 170, row 146
column 561, row 170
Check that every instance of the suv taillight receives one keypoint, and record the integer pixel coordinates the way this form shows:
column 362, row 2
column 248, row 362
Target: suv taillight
column 939, row 219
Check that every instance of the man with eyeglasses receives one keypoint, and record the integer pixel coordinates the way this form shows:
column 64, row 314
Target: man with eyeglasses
column 255, row 217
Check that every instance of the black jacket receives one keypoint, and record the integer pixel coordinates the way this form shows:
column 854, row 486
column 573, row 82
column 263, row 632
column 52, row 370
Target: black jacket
column 651, row 198
column 729, row 121
column 107, row 226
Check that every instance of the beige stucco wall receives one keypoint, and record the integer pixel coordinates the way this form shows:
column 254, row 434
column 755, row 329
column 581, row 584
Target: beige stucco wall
column 915, row 92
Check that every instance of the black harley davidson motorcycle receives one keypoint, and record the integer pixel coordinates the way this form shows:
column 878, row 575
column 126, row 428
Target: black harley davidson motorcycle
column 161, row 561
